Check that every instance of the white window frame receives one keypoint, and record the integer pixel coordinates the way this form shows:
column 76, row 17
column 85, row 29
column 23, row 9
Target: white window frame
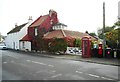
column 36, row 33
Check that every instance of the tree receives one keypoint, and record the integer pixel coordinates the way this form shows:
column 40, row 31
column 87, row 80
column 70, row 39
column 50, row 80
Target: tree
column 112, row 37
column 77, row 43
column 117, row 23
column 92, row 34
column 107, row 29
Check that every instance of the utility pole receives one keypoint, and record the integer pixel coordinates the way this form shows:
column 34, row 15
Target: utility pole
column 104, row 41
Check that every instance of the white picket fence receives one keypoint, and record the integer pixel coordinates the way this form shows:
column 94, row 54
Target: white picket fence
column 74, row 51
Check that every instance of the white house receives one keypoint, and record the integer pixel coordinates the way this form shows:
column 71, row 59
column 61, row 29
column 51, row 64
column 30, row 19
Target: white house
column 13, row 36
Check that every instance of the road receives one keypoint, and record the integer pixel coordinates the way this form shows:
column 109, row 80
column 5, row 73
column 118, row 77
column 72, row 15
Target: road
column 21, row 66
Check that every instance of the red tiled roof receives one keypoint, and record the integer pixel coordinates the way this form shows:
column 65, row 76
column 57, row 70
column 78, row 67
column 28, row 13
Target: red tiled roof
column 65, row 33
column 74, row 34
column 39, row 21
column 26, row 38
column 53, row 34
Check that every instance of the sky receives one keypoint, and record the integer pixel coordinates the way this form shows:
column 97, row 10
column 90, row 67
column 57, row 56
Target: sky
column 78, row 15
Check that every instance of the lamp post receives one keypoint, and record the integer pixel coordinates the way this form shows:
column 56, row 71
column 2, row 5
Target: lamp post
column 104, row 42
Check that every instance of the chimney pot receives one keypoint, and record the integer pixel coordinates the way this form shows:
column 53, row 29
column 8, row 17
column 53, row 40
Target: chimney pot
column 16, row 25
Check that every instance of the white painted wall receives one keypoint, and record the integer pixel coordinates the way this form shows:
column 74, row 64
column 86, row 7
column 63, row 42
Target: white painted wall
column 27, row 45
column 59, row 27
column 12, row 39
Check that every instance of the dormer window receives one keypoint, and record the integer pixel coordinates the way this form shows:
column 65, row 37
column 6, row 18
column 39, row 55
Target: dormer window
column 36, row 33
column 59, row 26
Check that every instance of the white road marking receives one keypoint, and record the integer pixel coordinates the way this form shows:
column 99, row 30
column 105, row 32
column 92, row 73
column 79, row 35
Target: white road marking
column 39, row 71
column 38, row 63
column 93, row 75
column 106, row 78
column 56, row 75
column 45, row 71
column 34, row 61
column 12, row 56
column 4, row 62
column 12, row 61
column 28, row 60
column 42, row 63
column 53, row 71
column 51, row 65
column 78, row 72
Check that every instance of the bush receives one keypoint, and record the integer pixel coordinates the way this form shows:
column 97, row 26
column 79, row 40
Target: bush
column 58, row 45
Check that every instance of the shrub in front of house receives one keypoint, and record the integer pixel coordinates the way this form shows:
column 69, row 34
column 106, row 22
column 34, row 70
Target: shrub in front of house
column 58, row 45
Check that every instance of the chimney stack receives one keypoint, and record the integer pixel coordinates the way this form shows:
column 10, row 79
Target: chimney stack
column 50, row 12
column 30, row 19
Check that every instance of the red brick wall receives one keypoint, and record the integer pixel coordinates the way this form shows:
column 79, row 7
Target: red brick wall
column 46, row 24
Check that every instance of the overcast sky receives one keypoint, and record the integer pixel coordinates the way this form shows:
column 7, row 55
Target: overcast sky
column 79, row 15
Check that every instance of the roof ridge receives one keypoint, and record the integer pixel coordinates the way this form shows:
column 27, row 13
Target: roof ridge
column 17, row 28
column 75, row 31
column 35, row 20
column 46, row 33
column 63, row 33
column 42, row 18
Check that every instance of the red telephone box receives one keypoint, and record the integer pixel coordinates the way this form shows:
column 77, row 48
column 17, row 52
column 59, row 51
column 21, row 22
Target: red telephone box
column 86, row 46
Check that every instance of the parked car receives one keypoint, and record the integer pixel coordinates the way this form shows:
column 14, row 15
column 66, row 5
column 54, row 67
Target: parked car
column 3, row 47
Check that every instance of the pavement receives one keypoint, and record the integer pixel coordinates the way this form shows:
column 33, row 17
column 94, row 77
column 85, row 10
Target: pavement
column 94, row 60
column 105, row 61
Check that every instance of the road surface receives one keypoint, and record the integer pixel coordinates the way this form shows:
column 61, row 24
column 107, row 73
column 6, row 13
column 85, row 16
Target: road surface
column 21, row 66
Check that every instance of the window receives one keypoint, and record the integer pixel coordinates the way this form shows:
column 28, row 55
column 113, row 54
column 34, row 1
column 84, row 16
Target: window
column 53, row 27
column 13, row 45
column 36, row 32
